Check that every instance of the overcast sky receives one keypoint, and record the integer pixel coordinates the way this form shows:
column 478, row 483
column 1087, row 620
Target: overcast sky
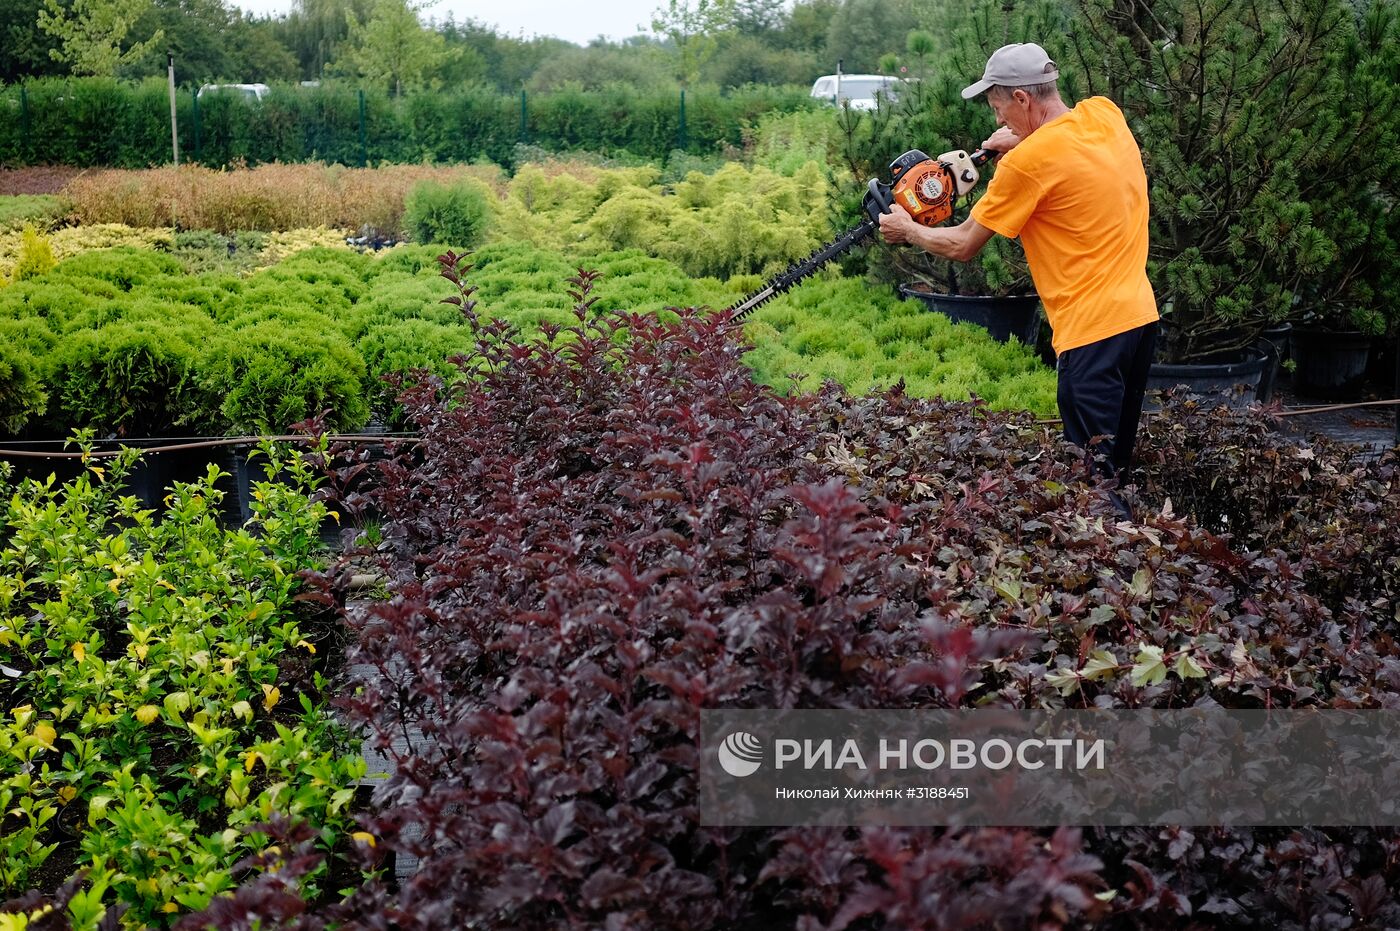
column 575, row 20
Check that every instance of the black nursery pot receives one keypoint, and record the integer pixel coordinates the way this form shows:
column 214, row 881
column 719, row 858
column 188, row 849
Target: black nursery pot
column 1330, row 364
column 1275, row 343
column 1237, row 380
column 149, row 480
column 1016, row 315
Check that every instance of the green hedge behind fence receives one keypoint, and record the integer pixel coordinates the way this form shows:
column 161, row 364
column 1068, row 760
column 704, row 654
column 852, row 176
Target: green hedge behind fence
column 89, row 122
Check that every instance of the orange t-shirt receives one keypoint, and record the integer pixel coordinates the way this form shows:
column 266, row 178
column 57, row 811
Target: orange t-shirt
column 1075, row 192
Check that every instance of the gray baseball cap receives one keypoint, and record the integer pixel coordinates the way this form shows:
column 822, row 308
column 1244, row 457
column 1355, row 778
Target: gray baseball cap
column 1015, row 65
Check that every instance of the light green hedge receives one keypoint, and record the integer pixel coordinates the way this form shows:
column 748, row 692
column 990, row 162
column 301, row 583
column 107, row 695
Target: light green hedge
column 126, row 341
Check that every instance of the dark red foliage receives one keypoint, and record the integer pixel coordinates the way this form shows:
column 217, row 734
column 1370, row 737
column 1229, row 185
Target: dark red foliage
column 610, row 528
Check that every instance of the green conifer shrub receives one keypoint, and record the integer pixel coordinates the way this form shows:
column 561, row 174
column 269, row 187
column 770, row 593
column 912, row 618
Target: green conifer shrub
column 455, row 214
column 138, row 376
column 271, row 375
column 35, row 256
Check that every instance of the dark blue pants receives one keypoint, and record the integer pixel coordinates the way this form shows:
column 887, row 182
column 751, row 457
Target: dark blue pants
column 1100, row 394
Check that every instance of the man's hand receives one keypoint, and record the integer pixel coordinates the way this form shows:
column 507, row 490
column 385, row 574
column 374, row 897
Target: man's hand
column 1003, row 140
column 898, row 225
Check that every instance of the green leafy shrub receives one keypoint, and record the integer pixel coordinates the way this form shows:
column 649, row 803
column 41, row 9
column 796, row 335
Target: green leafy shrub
column 455, row 214
column 786, row 142
column 412, row 260
column 399, row 295
column 866, row 338
column 125, row 268
column 165, row 693
column 51, row 300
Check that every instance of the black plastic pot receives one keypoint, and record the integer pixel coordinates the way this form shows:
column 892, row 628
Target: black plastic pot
column 1237, row 381
column 1017, row 315
column 1330, row 364
column 149, row 480
column 1274, row 343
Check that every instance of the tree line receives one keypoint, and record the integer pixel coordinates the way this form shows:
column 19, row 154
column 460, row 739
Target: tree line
column 398, row 45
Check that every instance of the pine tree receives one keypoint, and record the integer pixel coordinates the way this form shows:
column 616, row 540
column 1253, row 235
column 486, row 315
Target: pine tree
column 1265, row 126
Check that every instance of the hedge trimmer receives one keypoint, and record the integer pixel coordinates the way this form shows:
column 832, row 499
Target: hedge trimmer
column 928, row 188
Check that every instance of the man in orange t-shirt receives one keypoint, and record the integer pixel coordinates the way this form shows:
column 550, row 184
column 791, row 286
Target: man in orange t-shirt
column 1071, row 185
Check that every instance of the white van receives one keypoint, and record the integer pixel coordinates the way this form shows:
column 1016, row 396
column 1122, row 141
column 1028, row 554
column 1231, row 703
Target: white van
column 249, row 92
column 858, row 89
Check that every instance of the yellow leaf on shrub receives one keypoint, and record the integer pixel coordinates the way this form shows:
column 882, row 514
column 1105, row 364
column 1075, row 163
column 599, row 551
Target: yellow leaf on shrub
column 97, row 809
column 270, row 696
column 309, row 648
column 250, row 759
column 243, row 710
column 141, row 651
column 79, row 651
column 66, row 794
column 170, row 907
column 147, row 713
column 1187, row 668
column 45, row 734
column 363, row 837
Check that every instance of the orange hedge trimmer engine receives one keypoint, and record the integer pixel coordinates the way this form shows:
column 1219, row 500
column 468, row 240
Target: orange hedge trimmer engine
column 927, row 188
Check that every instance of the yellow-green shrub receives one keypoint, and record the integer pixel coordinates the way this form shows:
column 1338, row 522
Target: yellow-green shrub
column 737, row 221
column 75, row 240
column 35, row 255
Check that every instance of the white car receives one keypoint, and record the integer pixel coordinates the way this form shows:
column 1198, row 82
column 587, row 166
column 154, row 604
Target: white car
column 857, row 89
column 250, row 92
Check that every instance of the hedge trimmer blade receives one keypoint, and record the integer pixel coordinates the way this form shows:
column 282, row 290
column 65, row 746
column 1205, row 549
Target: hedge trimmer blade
column 799, row 270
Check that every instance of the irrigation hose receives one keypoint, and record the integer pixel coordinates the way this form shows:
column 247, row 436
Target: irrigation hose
column 212, row 443
column 216, row 442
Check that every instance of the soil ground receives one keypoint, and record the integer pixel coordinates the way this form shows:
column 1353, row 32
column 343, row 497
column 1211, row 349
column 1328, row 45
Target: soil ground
column 1372, row 429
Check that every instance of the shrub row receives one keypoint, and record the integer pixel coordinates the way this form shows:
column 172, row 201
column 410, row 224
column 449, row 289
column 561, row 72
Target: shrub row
column 736, row 221
column 27, row 253
column 730, row 221
column 265, row 198
column 591, row 546
column 17, row 210
column 91, row 122
column 127, row 342
column 164, row 695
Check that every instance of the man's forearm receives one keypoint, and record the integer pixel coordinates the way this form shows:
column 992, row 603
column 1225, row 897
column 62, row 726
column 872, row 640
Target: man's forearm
column 942, row 241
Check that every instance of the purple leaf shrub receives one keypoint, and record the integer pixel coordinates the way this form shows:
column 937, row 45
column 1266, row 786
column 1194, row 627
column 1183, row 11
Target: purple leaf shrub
column 606, row 529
